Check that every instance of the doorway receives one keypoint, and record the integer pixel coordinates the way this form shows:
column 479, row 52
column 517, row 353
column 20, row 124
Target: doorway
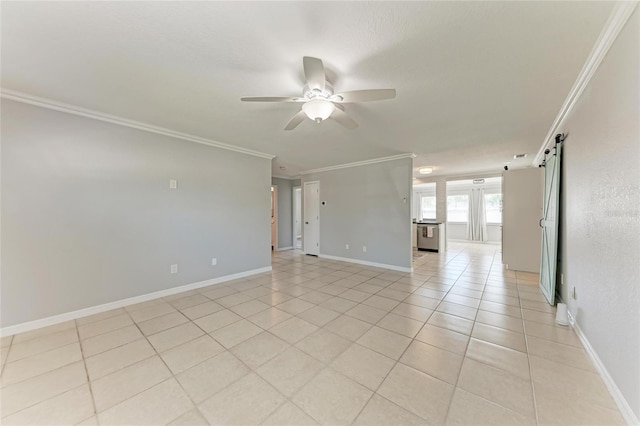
column 297, row 218
column 474, row 210
column 274, row 217
column 311, row 239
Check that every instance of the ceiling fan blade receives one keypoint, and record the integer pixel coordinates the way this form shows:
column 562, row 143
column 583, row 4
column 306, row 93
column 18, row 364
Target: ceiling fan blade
column 314, row 73
column 297, row 119
column 364, row 95
column 271, row 99
column 343, row 118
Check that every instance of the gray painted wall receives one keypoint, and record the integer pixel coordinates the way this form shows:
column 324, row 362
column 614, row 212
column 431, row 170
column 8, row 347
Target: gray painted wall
column 88, row 216
column 367, row 206
column 600, row 206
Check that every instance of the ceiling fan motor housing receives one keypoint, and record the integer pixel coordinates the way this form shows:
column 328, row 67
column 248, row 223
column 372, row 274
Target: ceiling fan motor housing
column 309, row 93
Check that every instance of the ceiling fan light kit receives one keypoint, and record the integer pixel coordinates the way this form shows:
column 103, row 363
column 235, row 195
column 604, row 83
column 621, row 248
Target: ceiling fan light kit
column 318, row 100
column 318, row 109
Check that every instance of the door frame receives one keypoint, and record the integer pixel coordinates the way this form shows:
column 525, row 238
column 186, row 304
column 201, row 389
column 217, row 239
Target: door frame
column 293, row 221
column 303, row 215
column 274, row 217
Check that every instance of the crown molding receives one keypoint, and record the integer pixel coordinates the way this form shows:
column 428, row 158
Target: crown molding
column 96, row 115
column 616, row 21
column 464, row 176
column 359, row 163
column 286, row 177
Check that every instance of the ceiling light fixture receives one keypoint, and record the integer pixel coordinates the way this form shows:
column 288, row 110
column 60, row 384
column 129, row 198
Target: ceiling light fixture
column 425, row 170
column 318, row 109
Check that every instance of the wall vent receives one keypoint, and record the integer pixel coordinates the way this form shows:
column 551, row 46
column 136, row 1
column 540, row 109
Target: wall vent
column 518, row 156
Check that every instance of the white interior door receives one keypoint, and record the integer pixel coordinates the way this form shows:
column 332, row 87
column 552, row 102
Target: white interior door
column 297, row 218
column 549, row 224
column 311, row 237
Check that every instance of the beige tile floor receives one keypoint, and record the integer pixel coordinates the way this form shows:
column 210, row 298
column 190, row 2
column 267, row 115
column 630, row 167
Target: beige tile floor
column 459, row 341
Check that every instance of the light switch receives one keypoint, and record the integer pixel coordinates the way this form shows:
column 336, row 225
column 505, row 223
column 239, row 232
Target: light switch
column 173, row 184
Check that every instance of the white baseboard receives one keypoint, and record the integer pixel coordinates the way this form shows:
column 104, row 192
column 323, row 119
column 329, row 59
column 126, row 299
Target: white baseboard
column 364, row 262
column 454, row 240
column 626, row 411
column 284, row 248
column 55, row 319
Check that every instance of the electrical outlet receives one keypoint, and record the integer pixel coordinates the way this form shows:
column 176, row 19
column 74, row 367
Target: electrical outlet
column 173, row 184
column 174, row 269
column 346, row 246
column 214, row 261
column 364, row 249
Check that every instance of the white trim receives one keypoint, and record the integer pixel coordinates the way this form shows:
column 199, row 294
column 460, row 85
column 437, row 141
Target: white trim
column 454, row 240
column 358, row 163
column 286, row 177
column 284, row 248
column 367, row 263
column 434, row 177
column 55, row 319
column 114, row 119
column 616, row 21
column 626, row 411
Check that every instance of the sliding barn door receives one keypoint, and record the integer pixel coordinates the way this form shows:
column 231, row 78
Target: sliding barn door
column 549, row 223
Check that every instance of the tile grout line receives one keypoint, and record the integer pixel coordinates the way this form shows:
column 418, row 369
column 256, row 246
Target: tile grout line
column 86, row 372
column 174, row 375
column 6, row 357
column 44, row 372
column 171, row 377
column 41, row 374
column 424, row 323
column 328, row 364
column 405, row 350
column 526, row 342
column 325, row 364
column 455, row 386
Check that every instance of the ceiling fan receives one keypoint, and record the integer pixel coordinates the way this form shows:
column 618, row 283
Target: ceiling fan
column 318, row 100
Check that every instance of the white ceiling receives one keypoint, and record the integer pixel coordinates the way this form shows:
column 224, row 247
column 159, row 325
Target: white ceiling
column 477, row 82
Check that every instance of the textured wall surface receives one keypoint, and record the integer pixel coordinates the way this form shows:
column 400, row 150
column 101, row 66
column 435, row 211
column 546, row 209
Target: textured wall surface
column 88, row 216
column 367, row 206
column 600, row 199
